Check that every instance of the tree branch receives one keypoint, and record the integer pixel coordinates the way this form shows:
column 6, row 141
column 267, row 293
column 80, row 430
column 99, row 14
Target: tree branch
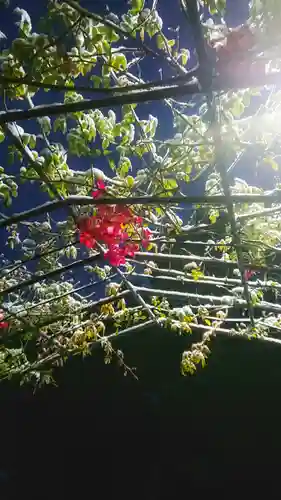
column 228, row 300
column 261, row 213
column 131, row 287
column 96, row 17
column 217, row 200
column 225, row 182
column 62, row 295
column 65, row 316
column 168, row 273
column 107, row 102
column 37, row 278
column 206, row 280
column 195, row 258
column 110, row 90
column 160, row 93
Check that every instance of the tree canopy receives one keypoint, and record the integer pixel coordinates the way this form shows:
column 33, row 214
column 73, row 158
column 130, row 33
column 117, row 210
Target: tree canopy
column 120, row 227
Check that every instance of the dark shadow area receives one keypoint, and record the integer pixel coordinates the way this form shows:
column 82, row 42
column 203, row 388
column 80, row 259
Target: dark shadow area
column 101, row 433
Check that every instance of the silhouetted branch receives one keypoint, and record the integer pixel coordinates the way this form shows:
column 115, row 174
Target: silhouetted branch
column 214, row 280
column 122, row 89
column 206, row 280
column 225, row 182
column 65, row 316
column 255, row 215
column 37, row 278
column 158, row 94
column 13, row 266
column 216, row 200
column 196, row 258
column 58, row 297
column 229, row 300
column 107, row 102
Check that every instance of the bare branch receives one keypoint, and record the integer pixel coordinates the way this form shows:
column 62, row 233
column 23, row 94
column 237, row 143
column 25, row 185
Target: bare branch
column 107, row 102
column 195, row 258
column 216, row 200
column 214, row 280
column 37, row 278
column 229, row 300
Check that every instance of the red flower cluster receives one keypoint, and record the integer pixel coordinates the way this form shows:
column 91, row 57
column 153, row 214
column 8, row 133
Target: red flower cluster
column 115, row 226
column 237, row 41
column 233, row 57
column 3, row 324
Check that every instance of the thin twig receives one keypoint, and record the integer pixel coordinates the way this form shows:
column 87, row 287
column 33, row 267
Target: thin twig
column 131, row 287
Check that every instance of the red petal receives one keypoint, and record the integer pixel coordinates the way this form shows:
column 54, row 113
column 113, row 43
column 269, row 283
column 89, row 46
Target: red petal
column 96, row 194
column 138, row 220
column 100, row 185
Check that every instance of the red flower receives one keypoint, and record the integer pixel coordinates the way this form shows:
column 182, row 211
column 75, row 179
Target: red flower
column 85, row 224
column 109, row 226
column 248, row 274
column 115, row 255
column 238, row 41
column 147, row 233
column 234, row 59
column 100, row 185
column 131, row 248
column 3, row 324
column 138, row 220
column 100, row 191
column 87, row 240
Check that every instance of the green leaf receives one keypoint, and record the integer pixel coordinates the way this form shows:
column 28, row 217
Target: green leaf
column 124, row 166
column 213, row 215
column 220, row 5
column 105, row 143
column 137, row 6
column 160, row 42
column 2, row 136
column 130, row 181
column 25, row 21
column 238, row 108
column 25, row 139
column 170, row 184
column 247, row 98
column 60, row 124
column 32, row 141
column 197, row 274
column 11, row 157
column 73, row 252
column 111, row 163
column 97, row 81
column 119, row 61
column 270, row 161
column 185, row 56
column 45, row 123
